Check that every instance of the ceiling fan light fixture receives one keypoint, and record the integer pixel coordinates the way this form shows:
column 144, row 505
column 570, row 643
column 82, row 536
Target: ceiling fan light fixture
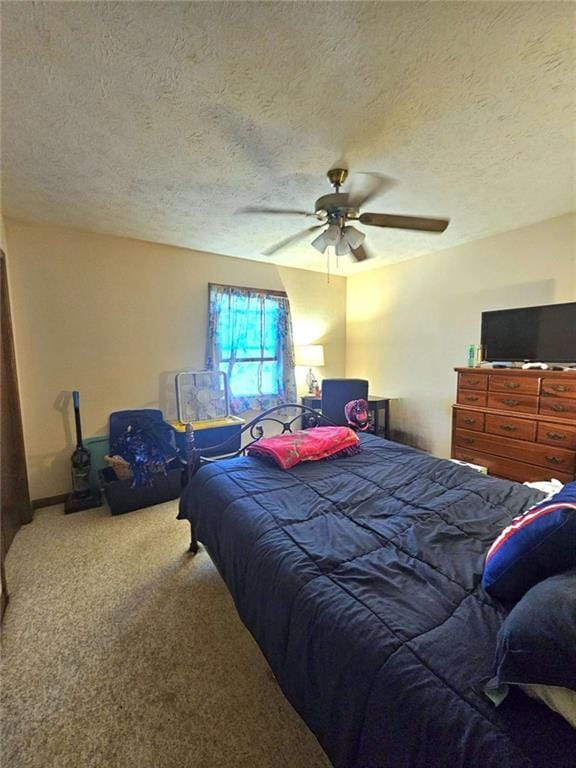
column 342, row 247
column 333, row 234
column 320, row 242
column 353, row 237
column 329, row 236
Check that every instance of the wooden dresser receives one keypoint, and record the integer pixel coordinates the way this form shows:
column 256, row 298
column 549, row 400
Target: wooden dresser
column 520, row 424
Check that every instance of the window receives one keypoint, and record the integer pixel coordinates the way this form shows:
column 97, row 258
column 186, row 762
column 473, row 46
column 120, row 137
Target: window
column 250, row 339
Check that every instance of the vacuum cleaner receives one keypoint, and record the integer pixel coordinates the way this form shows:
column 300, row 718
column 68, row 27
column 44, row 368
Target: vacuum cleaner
column 84, row 495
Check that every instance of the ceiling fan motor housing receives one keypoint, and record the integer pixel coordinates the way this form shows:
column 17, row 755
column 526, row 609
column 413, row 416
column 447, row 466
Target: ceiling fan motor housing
column 335, row 206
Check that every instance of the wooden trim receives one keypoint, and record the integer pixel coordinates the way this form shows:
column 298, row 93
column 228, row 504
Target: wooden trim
column 15, row 507
column 14, row 490
column 4, row 598
column 49, row 501
column 266, row 291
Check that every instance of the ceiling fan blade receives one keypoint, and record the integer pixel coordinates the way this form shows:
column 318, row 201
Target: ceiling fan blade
column 360, row 253
column 376, row 184
column 258, row 209
column 403, row 222
column 289, row 240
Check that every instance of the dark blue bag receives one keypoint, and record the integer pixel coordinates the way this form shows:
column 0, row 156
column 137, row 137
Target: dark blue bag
column 145, row 440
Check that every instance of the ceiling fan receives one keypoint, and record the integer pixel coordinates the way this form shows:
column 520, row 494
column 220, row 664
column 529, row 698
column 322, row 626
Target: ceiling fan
column 335, row 210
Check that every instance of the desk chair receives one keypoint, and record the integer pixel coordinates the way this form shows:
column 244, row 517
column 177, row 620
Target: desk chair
column 337, row 392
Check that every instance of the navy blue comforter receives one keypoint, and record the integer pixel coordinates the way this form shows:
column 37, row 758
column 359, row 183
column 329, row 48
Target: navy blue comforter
column 360, row 580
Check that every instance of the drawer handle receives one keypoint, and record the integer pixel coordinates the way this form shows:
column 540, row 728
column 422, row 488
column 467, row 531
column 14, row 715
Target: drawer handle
column 472, row 398
column 511, row 403
column 508, row 427
column 469, row 421
column 555, row 436
column 554, row 460
column 468, row 440
column 560, row 388
column 472, row 382
column 511, row 384
column 559, row 408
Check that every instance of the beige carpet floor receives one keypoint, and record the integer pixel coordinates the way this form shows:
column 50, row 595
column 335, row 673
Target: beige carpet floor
column 120, row 650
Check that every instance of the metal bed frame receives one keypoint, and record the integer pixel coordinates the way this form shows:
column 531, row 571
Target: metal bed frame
column 255, row 429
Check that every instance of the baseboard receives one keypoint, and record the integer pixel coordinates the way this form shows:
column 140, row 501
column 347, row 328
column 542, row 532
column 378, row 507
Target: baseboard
column 49, row 501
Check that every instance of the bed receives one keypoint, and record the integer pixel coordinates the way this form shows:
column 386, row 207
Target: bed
column 359, row 579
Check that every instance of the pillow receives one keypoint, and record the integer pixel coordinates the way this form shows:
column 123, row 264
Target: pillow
column 538, row 544
column 537, row 642
column 536, row 647
column 561, row 700
column 306, row 445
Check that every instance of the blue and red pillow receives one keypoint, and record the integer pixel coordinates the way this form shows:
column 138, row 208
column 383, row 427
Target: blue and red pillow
column 538, row 544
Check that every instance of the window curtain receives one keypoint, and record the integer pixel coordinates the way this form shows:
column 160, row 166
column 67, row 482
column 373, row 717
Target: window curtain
column 250, row 339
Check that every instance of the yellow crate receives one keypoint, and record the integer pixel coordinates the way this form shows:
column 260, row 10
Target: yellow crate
column 229, row 421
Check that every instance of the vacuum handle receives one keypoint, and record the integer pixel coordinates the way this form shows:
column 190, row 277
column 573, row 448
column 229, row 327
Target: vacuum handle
column 76, row 401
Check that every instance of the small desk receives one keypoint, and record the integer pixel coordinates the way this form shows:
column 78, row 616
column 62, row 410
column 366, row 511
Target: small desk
column 378, row 412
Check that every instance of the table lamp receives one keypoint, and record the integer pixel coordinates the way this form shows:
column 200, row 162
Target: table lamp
column 312, row 356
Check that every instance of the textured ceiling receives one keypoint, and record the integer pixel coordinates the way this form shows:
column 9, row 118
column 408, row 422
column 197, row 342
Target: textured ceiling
column 157, row 120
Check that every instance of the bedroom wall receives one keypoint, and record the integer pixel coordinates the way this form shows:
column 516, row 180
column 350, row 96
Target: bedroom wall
column 410, row 324
column 115, row 318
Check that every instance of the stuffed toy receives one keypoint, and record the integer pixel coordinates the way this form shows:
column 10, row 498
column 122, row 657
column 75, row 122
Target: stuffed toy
column 356, row 412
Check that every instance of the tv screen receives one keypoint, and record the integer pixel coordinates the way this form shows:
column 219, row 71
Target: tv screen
column 543, row 334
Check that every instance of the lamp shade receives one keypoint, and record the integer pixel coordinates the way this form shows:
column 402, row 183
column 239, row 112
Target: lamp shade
column 311, row 355
column 353, row 237
column 328, row 236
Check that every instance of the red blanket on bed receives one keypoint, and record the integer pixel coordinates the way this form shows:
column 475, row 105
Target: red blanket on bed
column 306, row 445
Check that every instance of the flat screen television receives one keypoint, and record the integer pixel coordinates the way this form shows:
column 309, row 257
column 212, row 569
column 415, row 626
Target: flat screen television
column 541, row 334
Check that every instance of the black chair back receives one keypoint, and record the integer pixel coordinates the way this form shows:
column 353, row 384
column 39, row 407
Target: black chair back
column 337, row 392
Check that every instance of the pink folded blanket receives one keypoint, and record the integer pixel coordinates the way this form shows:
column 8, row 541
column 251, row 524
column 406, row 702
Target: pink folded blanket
column 306, row 445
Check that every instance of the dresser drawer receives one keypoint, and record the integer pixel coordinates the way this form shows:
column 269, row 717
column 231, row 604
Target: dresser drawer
column 557, row 388
column 558, row 406
column 469, row 419
column 471, row 397
column 512, row 402
column 519, row 429
column 515, row 384
column 473, row 381
column 557, row 435
column 531, row 453
column 508, row 468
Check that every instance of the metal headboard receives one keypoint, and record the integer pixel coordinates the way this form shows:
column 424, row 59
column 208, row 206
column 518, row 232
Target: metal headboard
column 255, row 429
